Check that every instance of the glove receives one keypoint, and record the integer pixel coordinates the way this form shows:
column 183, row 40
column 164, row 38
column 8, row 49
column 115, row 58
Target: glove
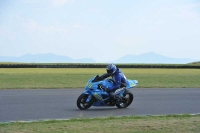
column 104, row 88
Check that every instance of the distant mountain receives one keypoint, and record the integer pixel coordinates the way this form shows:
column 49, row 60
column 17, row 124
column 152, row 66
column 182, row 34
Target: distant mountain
column 152, row 58
column 45, row 58
column 146, row 58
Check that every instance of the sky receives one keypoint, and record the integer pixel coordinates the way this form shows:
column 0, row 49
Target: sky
column 103, row 30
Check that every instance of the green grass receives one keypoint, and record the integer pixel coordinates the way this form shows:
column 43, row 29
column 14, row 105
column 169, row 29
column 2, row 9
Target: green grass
column 34, row 78
column 125, row 124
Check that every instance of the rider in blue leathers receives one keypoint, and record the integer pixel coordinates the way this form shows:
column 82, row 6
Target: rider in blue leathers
column 117, row 75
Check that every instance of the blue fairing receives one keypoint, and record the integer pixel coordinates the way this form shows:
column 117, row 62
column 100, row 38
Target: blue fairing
column 94, row 89
column 94, row 85
column 131, row 83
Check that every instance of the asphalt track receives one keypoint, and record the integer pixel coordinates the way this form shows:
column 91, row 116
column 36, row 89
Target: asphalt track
column 42, row 104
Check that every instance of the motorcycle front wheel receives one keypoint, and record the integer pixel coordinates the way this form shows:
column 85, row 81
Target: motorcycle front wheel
column 126, row 100
column 81, row 102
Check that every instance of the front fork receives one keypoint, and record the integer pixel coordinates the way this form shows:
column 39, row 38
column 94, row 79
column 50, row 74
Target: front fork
column 89, row 96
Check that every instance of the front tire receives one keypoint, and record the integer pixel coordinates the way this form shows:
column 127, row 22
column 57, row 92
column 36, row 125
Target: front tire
column 81, row 102
column 126, row 100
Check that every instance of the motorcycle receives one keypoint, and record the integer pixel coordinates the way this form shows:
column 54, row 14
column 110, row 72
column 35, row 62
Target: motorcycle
column 95, row 95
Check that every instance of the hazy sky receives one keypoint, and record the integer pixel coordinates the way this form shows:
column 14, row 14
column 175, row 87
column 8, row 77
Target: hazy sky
column 100, row 29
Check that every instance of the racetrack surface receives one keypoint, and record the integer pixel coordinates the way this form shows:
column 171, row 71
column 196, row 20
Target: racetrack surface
column 33, row 104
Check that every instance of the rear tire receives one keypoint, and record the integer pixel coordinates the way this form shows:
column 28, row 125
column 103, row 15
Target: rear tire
column 81, row 102
column 126, row 100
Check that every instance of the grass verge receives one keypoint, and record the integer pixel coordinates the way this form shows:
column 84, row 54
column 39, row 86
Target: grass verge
column 34, row 78
column 125, row 124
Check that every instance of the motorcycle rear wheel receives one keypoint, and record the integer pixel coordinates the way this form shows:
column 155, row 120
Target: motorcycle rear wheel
column 81, row 102
column 126, row 100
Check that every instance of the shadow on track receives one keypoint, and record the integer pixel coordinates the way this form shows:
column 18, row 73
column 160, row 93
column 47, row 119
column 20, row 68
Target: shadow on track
column 100, row 109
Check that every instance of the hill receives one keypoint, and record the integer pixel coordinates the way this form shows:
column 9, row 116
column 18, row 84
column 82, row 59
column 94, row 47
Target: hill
column 151, row 58
column 146, row 58
column 45, row 58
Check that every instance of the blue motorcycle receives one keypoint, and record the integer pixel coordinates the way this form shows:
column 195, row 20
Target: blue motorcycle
column 96, row 96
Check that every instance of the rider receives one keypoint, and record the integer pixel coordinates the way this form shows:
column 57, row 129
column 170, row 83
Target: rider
column 117, row 75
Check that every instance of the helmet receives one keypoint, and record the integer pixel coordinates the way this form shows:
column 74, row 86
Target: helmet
column 111, row 69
